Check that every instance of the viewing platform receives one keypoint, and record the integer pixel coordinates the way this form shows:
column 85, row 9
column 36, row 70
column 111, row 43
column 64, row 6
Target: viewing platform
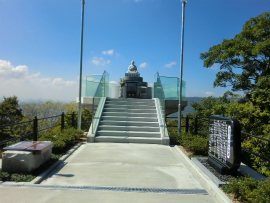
column 132, row 111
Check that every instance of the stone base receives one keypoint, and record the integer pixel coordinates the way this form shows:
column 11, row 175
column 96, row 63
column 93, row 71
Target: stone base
column 23, row 161
column 132, row 74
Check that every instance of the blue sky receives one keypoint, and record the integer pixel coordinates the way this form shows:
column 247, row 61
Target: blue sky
column 40, row 42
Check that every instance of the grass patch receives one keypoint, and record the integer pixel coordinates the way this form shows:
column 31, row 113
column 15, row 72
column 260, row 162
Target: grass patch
column 194, row 155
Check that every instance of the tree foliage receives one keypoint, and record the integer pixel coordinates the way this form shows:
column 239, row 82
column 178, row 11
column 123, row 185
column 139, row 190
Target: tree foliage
column 9, row 113
column 249, row 51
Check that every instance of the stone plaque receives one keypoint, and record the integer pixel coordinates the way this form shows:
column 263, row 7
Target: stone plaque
column 224, row 143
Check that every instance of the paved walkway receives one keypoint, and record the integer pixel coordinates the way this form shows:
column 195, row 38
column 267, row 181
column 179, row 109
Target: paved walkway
column 113, row 172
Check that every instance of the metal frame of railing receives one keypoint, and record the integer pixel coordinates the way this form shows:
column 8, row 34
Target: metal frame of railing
column 35, row 126
column 195, row 127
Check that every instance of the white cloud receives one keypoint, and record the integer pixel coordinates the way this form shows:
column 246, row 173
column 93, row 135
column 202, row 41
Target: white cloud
column 209, row 93
column 60, row 81
column 109, row 52
column 16, row 81
column 8, row 71
column 100, row 61
column 143, row 65
column 45, row 80
column 35, row 75
column 170, row 65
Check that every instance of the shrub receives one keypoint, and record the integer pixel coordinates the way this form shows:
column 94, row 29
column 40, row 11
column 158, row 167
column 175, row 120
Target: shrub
column 174, row 136
column 249, row 190
column 62, row 139
column 194, row 143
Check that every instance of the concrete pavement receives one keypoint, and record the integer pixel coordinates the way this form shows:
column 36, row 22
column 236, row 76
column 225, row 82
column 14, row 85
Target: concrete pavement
column 123, row 165
column 129, row 172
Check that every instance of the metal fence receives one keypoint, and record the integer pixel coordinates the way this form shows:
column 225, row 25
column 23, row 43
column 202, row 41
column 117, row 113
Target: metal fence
column 58, row 120
column 196, row 129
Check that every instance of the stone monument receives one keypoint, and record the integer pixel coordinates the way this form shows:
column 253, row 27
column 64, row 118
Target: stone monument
column 134, row 86
column 224, row 144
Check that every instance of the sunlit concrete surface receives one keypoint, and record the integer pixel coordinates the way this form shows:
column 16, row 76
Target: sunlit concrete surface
column 124, row 165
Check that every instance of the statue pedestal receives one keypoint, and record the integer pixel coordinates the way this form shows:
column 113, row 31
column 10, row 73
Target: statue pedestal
column 132, row 74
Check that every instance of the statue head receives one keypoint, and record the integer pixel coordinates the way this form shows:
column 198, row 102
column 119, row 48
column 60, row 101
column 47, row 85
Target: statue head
column 132, row 62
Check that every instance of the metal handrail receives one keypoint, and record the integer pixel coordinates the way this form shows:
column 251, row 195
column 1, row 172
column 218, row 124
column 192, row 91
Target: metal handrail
column 261, row 138
column 28, row 134
column 15, row 138
column 49, row 117
column 2, row 126
column 246, row 150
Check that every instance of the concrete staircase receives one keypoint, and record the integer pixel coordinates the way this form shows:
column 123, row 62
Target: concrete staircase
column 129, row 121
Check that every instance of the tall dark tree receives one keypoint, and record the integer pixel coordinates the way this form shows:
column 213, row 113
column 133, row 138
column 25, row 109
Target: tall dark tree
column 249, row 50
column 9, row 113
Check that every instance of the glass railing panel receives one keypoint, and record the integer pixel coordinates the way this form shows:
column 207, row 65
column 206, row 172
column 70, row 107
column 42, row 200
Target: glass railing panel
column 171, row 87
column 106, row 84
column 83, row 90
column 159, row 94
column 96, row 102
column 102, row 91
column 90, row 84
column 183, row 90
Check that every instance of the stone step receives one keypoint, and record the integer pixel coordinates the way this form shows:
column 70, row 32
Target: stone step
column 127, row 114
column 131, row 101
column 127, row 133
column 130, row 106
column 121, row 139
column 127, row 99
column 128, row 128
column 128, row 123
column 129, row 110
column 126, row 118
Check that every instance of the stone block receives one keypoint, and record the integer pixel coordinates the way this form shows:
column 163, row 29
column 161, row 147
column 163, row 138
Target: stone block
column 14, row 161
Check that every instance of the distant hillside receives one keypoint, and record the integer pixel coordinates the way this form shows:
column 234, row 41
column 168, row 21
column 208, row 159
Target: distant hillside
column 188, row 108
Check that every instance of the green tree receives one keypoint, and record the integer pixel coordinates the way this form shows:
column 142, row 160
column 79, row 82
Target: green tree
column 249, row 50
column 9, row 113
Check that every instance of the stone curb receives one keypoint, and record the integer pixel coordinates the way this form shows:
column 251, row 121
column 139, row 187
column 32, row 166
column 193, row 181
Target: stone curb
column 39, row 178
column 205, row 181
